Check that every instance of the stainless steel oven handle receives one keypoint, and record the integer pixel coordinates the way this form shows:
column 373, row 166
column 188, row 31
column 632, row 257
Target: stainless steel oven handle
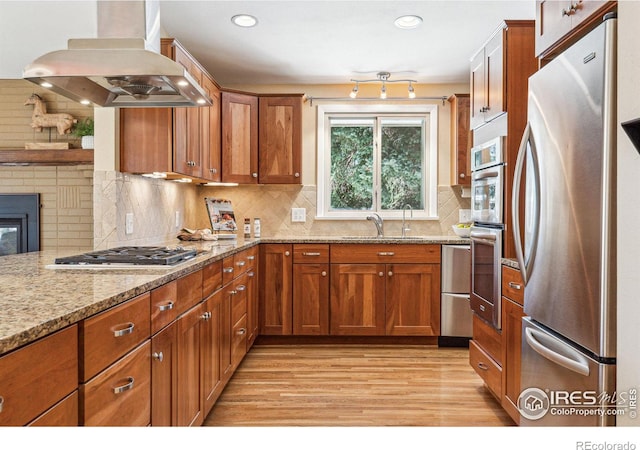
column 481, row 235
column 483, row 174
column 525, row 261
column 536, row 341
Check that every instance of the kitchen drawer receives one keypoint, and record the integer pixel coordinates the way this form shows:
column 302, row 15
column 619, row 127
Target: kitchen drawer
column 164, row 308
column 310, row 253
column 228, row 270
column 488, row 338
column 107, row 336
column 189, row 291
column 512, row 285
column 239, row 341
column 486, row 367
column 63, row 414
column 35, row 377
column 245, row 261
column 121, row 394
column 239, row 299
column 385, row 253
column 211, row 278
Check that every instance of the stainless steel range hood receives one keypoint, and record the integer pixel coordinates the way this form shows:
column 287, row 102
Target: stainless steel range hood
column 122, row 67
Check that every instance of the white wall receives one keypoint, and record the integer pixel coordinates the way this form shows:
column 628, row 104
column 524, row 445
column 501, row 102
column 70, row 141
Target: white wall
column 29, row 29
column 628, row 211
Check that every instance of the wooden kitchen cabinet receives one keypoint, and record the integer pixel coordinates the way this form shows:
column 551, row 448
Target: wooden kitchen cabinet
column 366, row 299
column 461, row 140
column 164, row 377
column 211, row 341
column 253, row 304
column 485, row 355
column 500, row 70
column 188, row 399
column 310, row 289
column 63, row 414
column 276, row 290
column 280, row 150
column 239, row 152
column 176, row 141
column 559, row 23
column 36, row 377
column 512, row 313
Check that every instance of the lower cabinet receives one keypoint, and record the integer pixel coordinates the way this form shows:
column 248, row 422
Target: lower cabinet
column 310, row 300
column 188, row 405
column 276, row 265
column 62, row 414
column 164, row 377
column 485, row 355
column 210, row 339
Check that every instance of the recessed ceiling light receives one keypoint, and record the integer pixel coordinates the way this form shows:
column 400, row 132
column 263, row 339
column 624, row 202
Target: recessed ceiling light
column 244, row 20
column 408, row 22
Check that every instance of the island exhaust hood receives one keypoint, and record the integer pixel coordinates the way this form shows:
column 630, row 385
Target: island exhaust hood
column 122, row 67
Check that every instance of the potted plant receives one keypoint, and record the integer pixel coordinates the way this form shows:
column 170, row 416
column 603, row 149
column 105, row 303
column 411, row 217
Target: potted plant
column 84, row 130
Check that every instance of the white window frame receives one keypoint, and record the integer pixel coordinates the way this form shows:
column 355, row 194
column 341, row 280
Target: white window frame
column 430, row 211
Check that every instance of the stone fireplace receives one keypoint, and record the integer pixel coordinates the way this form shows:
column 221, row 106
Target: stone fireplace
column 19, row 223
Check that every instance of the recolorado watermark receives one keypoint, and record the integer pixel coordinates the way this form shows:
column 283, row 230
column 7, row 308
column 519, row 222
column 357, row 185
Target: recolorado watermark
column 590, row 445
column 534, row 404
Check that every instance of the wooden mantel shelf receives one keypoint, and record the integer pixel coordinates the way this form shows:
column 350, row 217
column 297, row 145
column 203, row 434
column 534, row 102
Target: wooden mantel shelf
column 45, row 157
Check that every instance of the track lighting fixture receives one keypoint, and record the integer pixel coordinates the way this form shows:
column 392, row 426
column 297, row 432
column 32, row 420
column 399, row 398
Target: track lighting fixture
column 383, row 77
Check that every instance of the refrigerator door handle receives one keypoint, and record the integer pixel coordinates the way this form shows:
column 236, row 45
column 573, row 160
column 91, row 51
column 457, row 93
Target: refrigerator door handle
column 574, row 361
column 525, row 264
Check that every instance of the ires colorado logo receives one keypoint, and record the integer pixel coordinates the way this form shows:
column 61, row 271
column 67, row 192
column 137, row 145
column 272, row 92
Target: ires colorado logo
column 534, row 403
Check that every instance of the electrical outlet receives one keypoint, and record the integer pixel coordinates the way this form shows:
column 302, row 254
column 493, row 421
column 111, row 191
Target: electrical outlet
column 464, row 215
column 298, row 214
column 128, row 223
column 177, row 219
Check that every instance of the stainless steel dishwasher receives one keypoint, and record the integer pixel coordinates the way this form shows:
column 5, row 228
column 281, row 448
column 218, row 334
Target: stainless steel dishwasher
column 455, row 313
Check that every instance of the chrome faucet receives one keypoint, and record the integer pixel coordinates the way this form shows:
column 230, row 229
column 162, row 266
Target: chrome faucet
column 377, row 220
column 405, row 225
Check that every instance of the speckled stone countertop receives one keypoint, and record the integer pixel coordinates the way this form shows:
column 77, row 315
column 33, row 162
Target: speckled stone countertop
column 36, row 300
column 513, row 263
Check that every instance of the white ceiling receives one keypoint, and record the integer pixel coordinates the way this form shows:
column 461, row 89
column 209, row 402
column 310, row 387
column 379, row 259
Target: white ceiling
column 330, row 42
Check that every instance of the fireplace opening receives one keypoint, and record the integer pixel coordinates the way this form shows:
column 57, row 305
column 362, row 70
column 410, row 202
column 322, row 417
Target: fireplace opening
column 19, row 223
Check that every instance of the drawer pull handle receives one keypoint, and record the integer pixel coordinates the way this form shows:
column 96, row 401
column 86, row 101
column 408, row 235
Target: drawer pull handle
column 1, row 403
column 251, row 257
column 124, row 331
column 513, row 285
column 323, row 273
column 242, row 331
column 166, row 307
column 310, row 253
column 386, row 253
column 228, row 270
column 241, row 288
column 124, row 387
column 251, row 274
column 158, row 356
column 482, row 308
column 483, row 366
column 241, row 263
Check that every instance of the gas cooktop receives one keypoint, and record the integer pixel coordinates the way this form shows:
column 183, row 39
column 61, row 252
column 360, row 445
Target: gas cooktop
column 147, row 256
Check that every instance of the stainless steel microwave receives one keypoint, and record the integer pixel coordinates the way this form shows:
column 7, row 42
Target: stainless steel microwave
column 487, row 183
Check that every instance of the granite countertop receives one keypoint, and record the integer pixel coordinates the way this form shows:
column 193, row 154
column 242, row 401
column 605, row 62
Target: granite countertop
column 36, row 300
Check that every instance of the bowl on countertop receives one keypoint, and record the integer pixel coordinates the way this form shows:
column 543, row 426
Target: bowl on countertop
column 462, row 231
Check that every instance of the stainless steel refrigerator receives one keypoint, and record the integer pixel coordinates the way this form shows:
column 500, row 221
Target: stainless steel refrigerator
column 567, row 249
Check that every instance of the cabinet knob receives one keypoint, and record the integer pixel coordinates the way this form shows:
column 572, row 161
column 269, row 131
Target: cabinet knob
column 241, row 288
column 233, row 292
column 124, row 331
column 228, row 270
column 323, row 273
column 287, row 253
column 166, row 307
column 254, row 175
column 462, row 175
column 125, row 387
column 380, row 274
column 241, row 263
column 251, row 274
column 297, row 175
column 158, row 356
column 242, row 331
column 206, row 316
column 390, row 273
column 483, row 366
column 212, row 170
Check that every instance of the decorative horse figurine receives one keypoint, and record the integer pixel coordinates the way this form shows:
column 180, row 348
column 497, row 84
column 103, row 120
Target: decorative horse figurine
column 41, row 119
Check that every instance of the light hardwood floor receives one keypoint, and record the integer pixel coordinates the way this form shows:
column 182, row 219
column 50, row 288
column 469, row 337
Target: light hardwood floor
column 356, row 385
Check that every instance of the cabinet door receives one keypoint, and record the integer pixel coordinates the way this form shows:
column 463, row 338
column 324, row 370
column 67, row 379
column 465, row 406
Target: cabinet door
column 413, row 299
column 512, row 314
column 146, row 140
column 188, row 392
column 478, row 101
column 211, row 132
column 280, row 140
column 276, row 289
column 211, row 342
column 552, row 22
column 164, row 380
column 357, row 299
column 63, row 414
column 494, row 63
column 253, row 307
column 226, row 364
column 311, row 299
column 460, row 140
column 239, row 138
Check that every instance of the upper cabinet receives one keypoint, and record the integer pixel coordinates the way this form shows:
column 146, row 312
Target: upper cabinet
column 280, row 139
column 498, row 69
column 176, row 141
column 239, row 138
column 460, row 140
column 561, row 22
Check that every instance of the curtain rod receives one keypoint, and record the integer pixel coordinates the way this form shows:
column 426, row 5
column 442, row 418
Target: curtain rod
column 311, row 99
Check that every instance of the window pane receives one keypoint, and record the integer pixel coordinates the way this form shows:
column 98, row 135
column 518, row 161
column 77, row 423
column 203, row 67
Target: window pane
column 352, row 167
column 402, row 164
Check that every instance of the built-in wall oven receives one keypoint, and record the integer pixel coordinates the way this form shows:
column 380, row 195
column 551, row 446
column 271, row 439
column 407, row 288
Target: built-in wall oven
column 487, row 197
